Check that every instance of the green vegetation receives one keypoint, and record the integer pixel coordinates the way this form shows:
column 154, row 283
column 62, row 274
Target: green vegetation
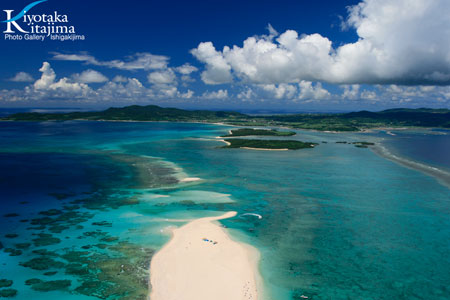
column 363, row 143
column 355, row 121
column 251, row 131
column 268, row 144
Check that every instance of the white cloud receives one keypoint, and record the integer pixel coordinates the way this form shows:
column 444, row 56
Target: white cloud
column 47, row 78
column 281, row 90
column 138, row 61
column 351, row 92
column 217, row 71
column 48, row 83
column 368, row 95
column 308, row 91
column 186, row 69
column 247, row 94
column 130, row 90
column 119, row 78
column 90, row 76
column 22, row 77
column 187, row 95
column 220, row 94
column 400, row 42
column 162, row 77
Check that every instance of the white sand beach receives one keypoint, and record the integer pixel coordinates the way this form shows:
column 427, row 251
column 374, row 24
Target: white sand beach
column 190, row 179
column 264, row 149
column 201, row 262
column 228, row 143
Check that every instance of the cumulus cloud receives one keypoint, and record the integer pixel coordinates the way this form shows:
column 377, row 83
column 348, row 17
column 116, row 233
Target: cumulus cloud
column 351, row 92
column 186, row 69
column 247, row 94
column 220, row 94
column 119, row 78
column 400, row 42
column 308, row 91
column 218, row 70
column 129, row 90
column 48, row 83
column 281, row 90
column 138, row 61
column 162, row 77
column 90, row 76
column 22, row 77
column 187, row 95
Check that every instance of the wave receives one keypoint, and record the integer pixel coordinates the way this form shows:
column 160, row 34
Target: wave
column 252, row 214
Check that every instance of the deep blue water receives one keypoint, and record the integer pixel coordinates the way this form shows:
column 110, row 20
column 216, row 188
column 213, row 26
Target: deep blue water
column 430, row 147
column 339, row 222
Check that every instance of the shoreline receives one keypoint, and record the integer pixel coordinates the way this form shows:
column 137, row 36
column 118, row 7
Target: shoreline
column 441, row 176
column 264, row 149
column 202, row 262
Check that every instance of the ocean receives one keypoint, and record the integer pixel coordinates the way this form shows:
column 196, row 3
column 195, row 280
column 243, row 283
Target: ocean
column 85, row 205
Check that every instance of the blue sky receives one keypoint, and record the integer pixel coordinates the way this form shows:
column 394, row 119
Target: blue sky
column 245, row 55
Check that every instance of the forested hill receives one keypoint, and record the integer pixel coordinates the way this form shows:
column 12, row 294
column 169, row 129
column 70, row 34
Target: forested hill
column 133, row 113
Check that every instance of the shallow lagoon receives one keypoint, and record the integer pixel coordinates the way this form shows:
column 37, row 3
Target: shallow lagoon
column 339, row 222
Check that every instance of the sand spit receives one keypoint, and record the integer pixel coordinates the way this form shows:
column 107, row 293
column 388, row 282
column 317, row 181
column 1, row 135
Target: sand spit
column 201, row 262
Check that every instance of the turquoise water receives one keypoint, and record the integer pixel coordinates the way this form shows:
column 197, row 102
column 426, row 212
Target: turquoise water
column 339, row 222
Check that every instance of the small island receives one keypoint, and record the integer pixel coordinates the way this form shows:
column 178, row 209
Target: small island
column 363, row 144
column 268, row 144
column 252, row 131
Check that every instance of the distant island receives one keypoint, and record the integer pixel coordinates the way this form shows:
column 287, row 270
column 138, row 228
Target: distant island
column 354, row 121
column 268, row 144
column 252, row 131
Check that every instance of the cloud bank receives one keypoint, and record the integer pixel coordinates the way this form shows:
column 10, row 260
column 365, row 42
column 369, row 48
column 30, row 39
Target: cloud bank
column 400, row 42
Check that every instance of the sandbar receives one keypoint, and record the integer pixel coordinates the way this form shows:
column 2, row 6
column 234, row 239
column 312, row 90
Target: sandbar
column 201, row 262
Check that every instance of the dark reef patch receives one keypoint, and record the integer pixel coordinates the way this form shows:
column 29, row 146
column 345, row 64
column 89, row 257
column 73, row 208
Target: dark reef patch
column 11, row 235
column 33, row 281
column 51, row 273
column 102, row 223
column 51, row 212
column 23, row 245
column 6, row 293
column 42, row 263
column 5, row 283
column 53, row 285
column 13, row 252
column 44, row 252
column 11, row 215
column 45, row 239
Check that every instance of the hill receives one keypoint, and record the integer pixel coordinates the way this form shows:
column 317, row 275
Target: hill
column 354, row 121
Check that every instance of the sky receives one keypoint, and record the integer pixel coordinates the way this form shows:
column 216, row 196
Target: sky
column 237, row 55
